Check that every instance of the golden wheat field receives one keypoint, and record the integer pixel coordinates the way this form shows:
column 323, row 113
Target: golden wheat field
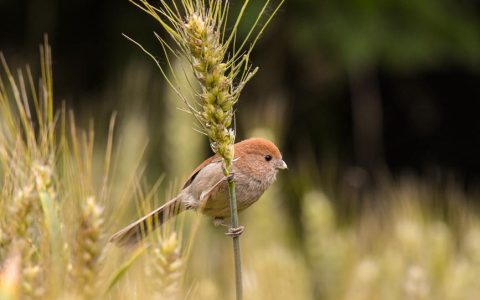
column 63, row 193
column 67, row 184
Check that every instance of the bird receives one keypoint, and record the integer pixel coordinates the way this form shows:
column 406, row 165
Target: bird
column 254, row 169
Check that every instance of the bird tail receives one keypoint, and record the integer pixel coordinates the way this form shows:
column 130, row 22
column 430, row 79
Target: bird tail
column 134, row 233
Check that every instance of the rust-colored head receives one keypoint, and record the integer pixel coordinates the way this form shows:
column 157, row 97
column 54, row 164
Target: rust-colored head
column 260, row 156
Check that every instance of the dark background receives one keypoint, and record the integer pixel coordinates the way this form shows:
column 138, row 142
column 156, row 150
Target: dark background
column 374, row 84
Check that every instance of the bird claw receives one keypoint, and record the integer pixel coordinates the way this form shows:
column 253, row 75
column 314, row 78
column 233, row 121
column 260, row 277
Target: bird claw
column 235, row 232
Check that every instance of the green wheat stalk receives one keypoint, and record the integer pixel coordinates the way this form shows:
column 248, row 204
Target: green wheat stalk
column 221, row 66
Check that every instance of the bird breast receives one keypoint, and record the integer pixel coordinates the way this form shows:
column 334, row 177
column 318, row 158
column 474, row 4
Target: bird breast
column 248, row 190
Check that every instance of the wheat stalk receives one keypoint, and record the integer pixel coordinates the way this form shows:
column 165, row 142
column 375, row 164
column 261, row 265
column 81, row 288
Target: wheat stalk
column 167, row 265
column 88, row 248
column 221, row 67
column 24, row 212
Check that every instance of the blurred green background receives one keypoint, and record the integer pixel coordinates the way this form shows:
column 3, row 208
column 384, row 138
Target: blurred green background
column 374, row 104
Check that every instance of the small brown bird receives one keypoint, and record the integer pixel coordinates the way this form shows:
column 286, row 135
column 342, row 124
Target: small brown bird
column 255, row 167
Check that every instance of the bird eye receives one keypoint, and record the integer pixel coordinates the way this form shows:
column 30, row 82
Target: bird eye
column 268, row 157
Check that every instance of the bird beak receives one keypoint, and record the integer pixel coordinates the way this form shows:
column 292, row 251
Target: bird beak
column 281, row 165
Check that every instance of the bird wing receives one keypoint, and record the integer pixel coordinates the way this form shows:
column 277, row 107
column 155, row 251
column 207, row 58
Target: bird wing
column 195, row 172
